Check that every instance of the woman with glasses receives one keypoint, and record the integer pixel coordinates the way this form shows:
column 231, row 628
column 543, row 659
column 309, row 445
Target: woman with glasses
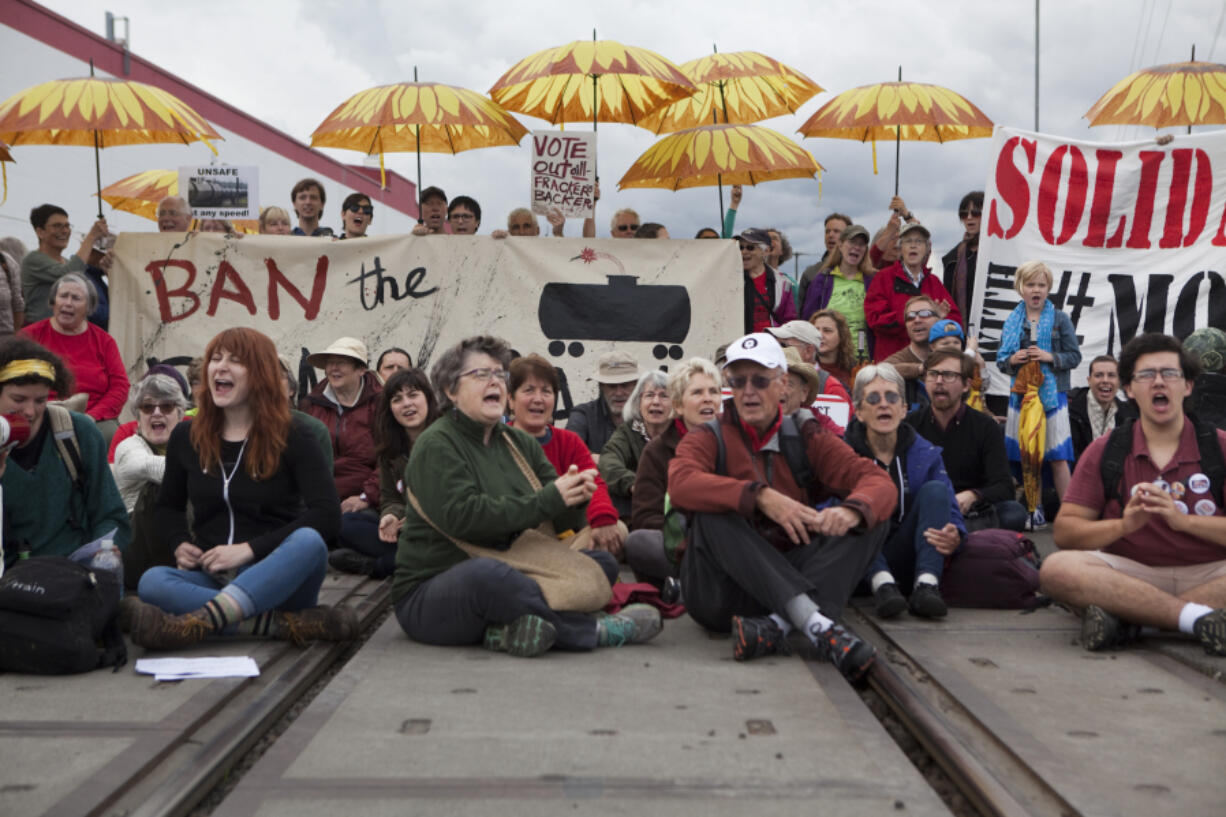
column 1038, row 349
column 356, row 214
column 927, row 525
column 646, row 415
column 472, row 480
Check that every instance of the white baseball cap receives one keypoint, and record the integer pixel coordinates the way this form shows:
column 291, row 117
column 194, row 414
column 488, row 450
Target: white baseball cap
column 759, row 347
column 799, row 330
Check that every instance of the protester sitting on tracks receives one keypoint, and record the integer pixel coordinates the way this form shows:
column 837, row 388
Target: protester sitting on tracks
column 263, row 503
column 1208, row 400
column 594, row 422
column 407, row 406
column 475, row 482
column 1096, row 408
column 837, row 354
column 759, row 559
column 392, row 360
column 1142, row 526
column 645, row 416
column 58, row 491
column 694, row 388
column 927, row 524
column 533, row 388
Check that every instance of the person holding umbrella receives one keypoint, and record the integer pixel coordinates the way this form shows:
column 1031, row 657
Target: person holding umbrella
column 768, row 295
column 43, row 267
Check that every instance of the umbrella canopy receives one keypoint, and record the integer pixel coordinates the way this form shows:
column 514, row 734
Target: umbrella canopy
column 709, row 155
column 739, row 87
column 584, row 81
column 140, row 194
column 1181, row 93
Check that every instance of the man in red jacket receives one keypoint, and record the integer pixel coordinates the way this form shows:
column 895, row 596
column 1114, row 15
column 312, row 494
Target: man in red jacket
column 760, row 559
column 893, row 286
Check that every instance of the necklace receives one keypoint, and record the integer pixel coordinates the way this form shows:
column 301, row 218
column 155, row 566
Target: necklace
column 225, row 485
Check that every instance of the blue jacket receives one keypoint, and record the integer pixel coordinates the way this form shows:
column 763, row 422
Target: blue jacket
column 1066, row 354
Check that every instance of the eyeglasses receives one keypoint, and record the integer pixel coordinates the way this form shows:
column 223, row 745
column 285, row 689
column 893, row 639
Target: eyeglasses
column 58, row 227
column 165, row 408
column 921, row 313
column 461, row 217
column 625, row 228
column 874, row 397
column 484, row 374
column 1148, row 375
column 759, row 381
column 965, row 214
column 943, row 376
column 654, row 395
column 368, row 209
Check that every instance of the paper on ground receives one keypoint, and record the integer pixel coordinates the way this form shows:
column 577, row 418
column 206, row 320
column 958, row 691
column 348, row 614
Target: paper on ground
column 213, row 666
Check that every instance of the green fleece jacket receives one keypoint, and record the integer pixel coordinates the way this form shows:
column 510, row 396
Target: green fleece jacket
column 476, row 493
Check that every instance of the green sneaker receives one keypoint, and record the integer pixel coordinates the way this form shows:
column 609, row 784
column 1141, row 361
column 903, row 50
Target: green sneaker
column 1211, row 630
column 526, row 637
column 633, row 624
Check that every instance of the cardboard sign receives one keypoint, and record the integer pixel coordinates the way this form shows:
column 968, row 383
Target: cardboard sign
column 221, row 191
column 564, row 172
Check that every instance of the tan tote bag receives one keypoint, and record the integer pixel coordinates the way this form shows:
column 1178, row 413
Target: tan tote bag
column 569, row 580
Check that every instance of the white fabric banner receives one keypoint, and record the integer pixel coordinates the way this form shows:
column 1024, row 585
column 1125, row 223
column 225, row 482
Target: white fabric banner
column 567, row 299
column 1135, row 235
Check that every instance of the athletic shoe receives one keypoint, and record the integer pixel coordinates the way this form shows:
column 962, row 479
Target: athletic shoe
column 1102, row 631
column 321, row 623
column 850, row 654
column 926, row 601
column 888, row 600
column 347, row 560
column 155, row 629
column 1211, row 630
column 670, row 592
column 633, row 624
column 756, row 637
column 526, row 637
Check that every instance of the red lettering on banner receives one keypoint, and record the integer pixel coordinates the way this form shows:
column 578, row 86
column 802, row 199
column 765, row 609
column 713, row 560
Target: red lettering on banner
column 240, row 294
column 157, row 270
column 1100, row 208
column 1219, row 240
column 310, row 308
column 1049, row 194
column 1181, row 175
column 1147, row 190
column 1011, row 187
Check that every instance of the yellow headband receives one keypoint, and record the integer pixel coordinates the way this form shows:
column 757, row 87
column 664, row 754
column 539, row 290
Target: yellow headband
column 20, row 368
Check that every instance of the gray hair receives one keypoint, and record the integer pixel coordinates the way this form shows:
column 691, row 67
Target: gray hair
column 445, row 374
column 652, row 377
column 679, row 380
column 160, row 387
column 91, row 293
column 868, row 374
column 13, row 246
column 179, row 200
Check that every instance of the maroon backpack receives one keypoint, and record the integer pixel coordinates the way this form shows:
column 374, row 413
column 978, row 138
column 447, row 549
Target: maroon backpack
column 995, row 569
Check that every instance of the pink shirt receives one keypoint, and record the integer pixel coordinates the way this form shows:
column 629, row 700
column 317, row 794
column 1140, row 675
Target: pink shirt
column 93, row 358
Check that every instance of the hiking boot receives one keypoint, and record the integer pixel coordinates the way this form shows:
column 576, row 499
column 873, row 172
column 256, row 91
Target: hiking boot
column 347, row 560
column 321, row 623
column 129, row 608
column 633, row 624
column 155, row 629
column 850, row 654
column 1211, row 630
column 526, row 637
column 888, row 600
column 755, row 637
column 1102, row 631
column 926, row 601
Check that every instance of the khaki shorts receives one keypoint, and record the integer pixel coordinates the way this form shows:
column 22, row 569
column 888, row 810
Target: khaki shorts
column 1175, row 580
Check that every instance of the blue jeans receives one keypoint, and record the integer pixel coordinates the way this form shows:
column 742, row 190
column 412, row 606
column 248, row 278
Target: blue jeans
column 906, row 553
column 289, row 578
column 1011, row 515
column 360, row 532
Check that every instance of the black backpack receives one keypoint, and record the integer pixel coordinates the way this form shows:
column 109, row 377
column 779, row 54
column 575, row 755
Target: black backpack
column 791, row 445
column 58, row 617
column 1119, row 445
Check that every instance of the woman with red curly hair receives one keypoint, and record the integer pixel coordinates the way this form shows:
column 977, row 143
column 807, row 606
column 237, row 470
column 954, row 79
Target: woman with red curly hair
column 263, row 503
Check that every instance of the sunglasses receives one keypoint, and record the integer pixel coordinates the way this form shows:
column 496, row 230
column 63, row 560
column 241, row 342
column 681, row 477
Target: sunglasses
column 921, row 313
column 626, row 228
column 759, row 381
column 165, row 408
column 965, row 214
column 361, row 208
column 874, row 397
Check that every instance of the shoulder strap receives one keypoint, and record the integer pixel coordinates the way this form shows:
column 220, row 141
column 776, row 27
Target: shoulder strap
column 522, row 462
column 721, row 455
column 792, row 443
column 1211, row 460
column 822, row 377
column 1111, row 469
column 66, row 441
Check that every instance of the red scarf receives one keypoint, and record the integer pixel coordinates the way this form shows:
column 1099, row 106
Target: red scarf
column 756, row 442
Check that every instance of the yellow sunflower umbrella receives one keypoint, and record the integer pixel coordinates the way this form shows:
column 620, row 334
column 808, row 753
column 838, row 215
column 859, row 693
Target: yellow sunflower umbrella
column 712, row 154
column 1031, row 431
column 898, row 110
column 1181, row 93
column 100, row 112
column 140, row 194
column 417, row 116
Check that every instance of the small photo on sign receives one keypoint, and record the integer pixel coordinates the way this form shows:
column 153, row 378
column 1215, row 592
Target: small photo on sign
column 221, row 191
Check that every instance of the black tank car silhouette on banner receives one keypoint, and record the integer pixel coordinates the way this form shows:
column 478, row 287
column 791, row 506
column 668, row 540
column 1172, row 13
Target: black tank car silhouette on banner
column 619, row 310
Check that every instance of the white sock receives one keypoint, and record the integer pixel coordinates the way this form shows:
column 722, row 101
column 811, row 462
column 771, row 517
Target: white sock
column 1189, row 614
column 782, row 623
column 816, row 625
column 926, row 578
column 881, row 577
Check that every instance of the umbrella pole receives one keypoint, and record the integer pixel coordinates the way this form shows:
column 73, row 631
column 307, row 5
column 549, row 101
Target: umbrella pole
column 97, row 157
column 719, row 180
column 420, row 220
column 897, row 143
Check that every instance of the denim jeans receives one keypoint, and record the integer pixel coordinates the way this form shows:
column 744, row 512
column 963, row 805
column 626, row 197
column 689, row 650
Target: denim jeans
column 906, row 552
column 289, row 578
column 360, row 532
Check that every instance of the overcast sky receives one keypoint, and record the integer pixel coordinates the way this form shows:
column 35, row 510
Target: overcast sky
column 290, row 63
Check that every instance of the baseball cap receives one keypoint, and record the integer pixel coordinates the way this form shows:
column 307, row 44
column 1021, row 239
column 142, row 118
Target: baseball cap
column 799, row 330
column 760, row 348
column 912, row 226
column 944, row 329
column 755, row 236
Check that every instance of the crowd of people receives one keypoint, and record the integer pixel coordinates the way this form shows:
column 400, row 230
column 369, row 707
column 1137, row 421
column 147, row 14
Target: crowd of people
column 840, row 442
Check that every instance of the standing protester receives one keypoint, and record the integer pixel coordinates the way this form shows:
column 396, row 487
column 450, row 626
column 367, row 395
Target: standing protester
column 356, row 215
column 464, row 215
column 893, row 286
column 433, row 216
column 275, row 221
column 12, row 300
column 959, row 263
column 624, row 224
column 46, row 265
column 174, row 216
column 834, row 226
column 308, row 198
column 768, row 295
column 843, row 286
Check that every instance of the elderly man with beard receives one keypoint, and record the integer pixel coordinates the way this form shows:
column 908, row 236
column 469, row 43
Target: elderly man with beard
column 895, row 285
column 972, row 443
column 595, row 421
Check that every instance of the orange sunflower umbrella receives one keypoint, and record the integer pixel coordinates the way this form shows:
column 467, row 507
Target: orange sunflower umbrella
column 1181, row 93
column 417, row 116
column 140, row 194
column 898, row 110
column 100, row 112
